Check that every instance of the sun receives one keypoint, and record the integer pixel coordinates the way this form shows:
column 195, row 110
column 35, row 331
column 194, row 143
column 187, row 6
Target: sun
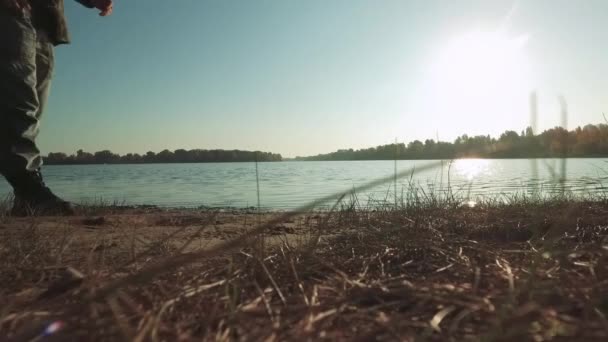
column 481, row 81
column 480, row 63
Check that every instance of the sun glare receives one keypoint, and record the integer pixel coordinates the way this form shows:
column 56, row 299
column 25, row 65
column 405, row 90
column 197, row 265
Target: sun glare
column 480, row 63
column 471, row 168
column 478, row 77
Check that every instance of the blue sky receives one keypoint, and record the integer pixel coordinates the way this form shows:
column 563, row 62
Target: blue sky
column 312, row 76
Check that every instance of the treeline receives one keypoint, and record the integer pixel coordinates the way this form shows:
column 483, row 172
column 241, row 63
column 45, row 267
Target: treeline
column 588, row 141
column 165, row 156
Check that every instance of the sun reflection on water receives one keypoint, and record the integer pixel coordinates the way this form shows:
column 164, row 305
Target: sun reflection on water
column 471, row 168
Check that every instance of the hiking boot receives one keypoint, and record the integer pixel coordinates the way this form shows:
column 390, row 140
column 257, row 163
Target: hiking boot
column 34, row 198
column 43, row 203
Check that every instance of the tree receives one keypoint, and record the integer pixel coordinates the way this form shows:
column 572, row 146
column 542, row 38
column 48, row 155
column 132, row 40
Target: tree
column 165, row 156
column 589, row 141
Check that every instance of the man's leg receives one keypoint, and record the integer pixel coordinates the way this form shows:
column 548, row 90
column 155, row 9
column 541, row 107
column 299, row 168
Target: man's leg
column 19, row 103
column 25, row 71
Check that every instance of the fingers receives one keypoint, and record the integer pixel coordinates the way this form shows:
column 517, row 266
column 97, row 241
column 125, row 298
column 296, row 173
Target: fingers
column 106, row 7
column 106, row 12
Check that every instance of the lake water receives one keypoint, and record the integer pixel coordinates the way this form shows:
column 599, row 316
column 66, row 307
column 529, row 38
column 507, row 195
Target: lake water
column 286, row 185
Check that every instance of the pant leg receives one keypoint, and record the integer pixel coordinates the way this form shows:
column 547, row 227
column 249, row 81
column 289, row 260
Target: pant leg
column 45, row 63
column 19, row 102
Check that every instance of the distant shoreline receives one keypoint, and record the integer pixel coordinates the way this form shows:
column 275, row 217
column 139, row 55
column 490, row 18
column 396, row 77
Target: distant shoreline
column 590, row 141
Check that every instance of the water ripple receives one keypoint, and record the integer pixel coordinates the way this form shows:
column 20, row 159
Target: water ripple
column 290, row 184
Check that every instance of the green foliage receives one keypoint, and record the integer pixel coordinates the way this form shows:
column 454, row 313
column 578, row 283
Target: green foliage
column 165, row 156
column 588, row 141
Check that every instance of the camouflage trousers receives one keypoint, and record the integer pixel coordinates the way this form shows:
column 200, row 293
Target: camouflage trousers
column 26, row 67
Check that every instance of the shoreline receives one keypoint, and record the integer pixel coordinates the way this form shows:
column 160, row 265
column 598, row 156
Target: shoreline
column 346, row 160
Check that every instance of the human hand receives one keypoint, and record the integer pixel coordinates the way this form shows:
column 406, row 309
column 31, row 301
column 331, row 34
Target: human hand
column 105, row 6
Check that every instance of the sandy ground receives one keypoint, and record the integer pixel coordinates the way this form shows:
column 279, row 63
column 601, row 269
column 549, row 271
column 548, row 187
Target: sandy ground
column 124, row 228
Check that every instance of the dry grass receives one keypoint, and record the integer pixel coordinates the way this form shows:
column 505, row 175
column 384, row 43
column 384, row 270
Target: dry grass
column 533, row 271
